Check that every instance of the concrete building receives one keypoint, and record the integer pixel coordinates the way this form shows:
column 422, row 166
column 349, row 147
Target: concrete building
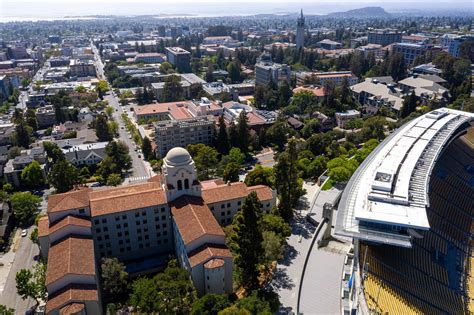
column 334, row 78
column 342, row 118
column 453, row 43
column 61, row 61
column 172, row 212
column 82, row 68
column 300, row 29
column 329, row 44
column 410, row 51
column 163, row 111
column 374, row 93
column 176, row 133
column 150, row 58
column 267, row 72
column 179, row 58
column 384, row 37
column 46, row 116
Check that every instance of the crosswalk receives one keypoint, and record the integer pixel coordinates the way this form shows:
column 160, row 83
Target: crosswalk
column 138, row 179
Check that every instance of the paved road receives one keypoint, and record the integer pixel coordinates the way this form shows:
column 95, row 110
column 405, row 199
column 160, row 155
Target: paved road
column 24, row 258
column 140, row 168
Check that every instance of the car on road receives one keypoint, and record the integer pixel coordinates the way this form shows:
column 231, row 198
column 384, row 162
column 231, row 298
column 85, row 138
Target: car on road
column 24, row 233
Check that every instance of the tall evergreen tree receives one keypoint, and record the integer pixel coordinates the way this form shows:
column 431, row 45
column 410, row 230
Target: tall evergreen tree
column 246, row 241
column 243, row 132
column 222, row 141
column 147, row 149
column 409, row 105
column 287, row 181
column 102, row 130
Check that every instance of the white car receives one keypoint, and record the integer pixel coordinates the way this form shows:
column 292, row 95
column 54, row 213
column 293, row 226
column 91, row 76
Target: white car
column 24, row 233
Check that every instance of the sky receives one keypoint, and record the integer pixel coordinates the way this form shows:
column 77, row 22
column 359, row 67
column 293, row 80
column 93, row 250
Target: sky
column 51, row 9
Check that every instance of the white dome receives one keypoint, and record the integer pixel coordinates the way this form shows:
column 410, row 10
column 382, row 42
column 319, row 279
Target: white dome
column 178, row 156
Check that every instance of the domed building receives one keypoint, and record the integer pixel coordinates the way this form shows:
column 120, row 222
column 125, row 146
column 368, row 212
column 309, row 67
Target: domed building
column 141, row 225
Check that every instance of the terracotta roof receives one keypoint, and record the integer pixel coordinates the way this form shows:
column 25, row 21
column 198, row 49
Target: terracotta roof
column 177, row 110
column 72, row 255
column 126, row 198
column 232, row 191
column 156, row 178
column 71, row 294
column 69, row 220
column 214, row 263
column 194, row 219
column 206, row 252
column 211, row 183
column 70, row 200
column 72, row 309
column 43, row 226
column 255, row 119
column 317, row 91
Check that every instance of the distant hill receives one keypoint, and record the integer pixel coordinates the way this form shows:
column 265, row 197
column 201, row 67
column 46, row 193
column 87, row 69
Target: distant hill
column 367, row 12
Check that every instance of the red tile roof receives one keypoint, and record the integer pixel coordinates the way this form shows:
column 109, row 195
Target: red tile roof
column 205, row 253
column 317, row 91
column 126, row 198
column 73, row 199
column 214, row 263
column 177, row 110
column 67, row 221
column 72, row 255
column 194, row 219
column 43, row 226
column 219, row 193
column 72, row 309
column 71, row 294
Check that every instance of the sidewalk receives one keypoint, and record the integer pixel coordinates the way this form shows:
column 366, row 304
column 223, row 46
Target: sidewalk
column 7, row 259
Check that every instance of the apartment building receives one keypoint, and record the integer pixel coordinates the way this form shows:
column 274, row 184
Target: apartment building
column 79, row 68
column 335, row 78
column 342, row 118
column 374, row 93
column 384, row 37
column 410, row 50
column 267, row 72
column 180, row 133
column 172, row 212
column 180, row 58
column 150, row 58
column 46, row 116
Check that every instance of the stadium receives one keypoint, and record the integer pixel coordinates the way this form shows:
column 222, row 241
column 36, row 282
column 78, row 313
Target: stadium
column 409, row 209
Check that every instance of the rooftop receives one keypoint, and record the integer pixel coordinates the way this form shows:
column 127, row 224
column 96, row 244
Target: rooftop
column 194, row 219
column 206, row 252
column 74, row 199
column 390, row 187
column 218, row 193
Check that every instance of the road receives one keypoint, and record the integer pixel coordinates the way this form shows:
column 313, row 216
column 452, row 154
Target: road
column 140, row 168
column 23, row 258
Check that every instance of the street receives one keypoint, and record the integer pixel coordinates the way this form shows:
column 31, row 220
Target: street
column 140, row 168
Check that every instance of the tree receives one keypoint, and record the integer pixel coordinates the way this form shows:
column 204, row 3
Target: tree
column 4, row 310
column 245, row 241
column 233, row 68
column 260, row 176
column 172, row 89
column 119, row 153
column 210, row 304
column 31, row 121
column 272, row 246
column 231, row 172
column 169, row 292
column 222, row 141
column 53, row 151
column 243, row 132
column 114, row 179
column 102, row 130
column 25, row 205
column 63, row 176
column 34, row 236
column 255, row 304
column 32, row 174
column 273, row 223
column 109, row 110
column 409, row 105
column 205, row 159
column 22, row 135
column 102, row 88
column 396, row 67
column 114, row 278
column 147, row 149
column 287, row 181
column 32, row 284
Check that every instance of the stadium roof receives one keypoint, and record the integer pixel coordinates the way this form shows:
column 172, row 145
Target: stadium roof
column 386, row 198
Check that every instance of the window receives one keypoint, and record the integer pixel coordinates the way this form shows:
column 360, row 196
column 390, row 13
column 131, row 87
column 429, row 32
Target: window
column 140, row 238
column 99, row 238
column 165, row 233
column 125, row 225
column 222, row 221
column 156, row 210
column 96, row 222
column 222, row 206
column 97, row 230
column 81, row 211
column 101, row 246
column 165, row 241
column 228, row 212
column 164, row 225
column 212, row 208
column 126, row 233
column 158, row 234
column 223, row 213
column 163, row 217
column 119, row 234
column 124, row 217
column 129, row 248
column 106, row 237
column 228, row 205
column 121, row 242
column 145, row 221
column 239, row 203
column 107, row 245
column 117, row 218
column 186, row 183
column 104, row 220
column 163, row 209
column 140, row 246
column 143, row 213
column 118, row 226
column 146, row 237
column 137, row 222
column 137, row 214
column 121, row 250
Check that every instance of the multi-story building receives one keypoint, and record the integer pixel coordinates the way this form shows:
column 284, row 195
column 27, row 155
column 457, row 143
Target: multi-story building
column 453, row 43
column 150, row 58
column 180, row 58
column 384, row 37
column 46, row 116
column 14, row 167
column 86, row 154
column 411, row 51
column 374, row 93
column 267, row 72
column 61, row 61
column 82, row 68
column 334, row 78
column 172, row 212
column 342, row 118
column 163, row 111
column 18, row 52
column 300, row 29
column 180, row 133
column 329, row 44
